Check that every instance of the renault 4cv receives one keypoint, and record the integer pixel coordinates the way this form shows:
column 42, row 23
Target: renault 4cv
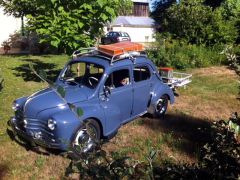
column 112, row 84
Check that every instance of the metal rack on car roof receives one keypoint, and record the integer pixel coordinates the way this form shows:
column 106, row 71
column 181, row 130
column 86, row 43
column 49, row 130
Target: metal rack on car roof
column 109, row 54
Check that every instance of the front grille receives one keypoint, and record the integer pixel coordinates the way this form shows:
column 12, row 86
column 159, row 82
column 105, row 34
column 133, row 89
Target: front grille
column 34, row 125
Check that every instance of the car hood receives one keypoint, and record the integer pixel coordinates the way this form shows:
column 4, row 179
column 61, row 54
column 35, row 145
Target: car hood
column 49, row 98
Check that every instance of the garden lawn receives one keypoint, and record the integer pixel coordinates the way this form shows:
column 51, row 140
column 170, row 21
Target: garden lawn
column 177, row 137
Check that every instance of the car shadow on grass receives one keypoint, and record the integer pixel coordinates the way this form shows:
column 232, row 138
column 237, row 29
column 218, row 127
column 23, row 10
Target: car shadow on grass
column 187, row 133
column 26, row 73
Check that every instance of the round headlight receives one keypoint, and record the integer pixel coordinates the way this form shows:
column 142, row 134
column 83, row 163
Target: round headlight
column 15, row 106
column 51, row 124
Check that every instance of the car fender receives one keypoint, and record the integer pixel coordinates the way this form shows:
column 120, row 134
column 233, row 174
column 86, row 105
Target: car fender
column 159, row 90
column 21, row 101
column 92, row 110
column 66, row 123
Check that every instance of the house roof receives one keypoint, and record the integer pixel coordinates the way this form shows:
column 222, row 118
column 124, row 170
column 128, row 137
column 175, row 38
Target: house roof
column 133, row 21
column 141, row 1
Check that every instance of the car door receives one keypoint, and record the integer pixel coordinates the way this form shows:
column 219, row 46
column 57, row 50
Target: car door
column 142, row 86
column 117, row 103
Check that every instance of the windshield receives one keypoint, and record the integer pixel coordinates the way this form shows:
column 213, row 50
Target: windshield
column 83, row 73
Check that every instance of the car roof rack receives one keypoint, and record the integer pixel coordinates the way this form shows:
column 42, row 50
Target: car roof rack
column 114, row 52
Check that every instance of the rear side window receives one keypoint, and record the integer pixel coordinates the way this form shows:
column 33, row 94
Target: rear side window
column 115, row 34
column 141, row 73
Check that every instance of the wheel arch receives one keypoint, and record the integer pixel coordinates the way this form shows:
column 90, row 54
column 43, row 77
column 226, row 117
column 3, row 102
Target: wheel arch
column 159, row 91
column 99, row 123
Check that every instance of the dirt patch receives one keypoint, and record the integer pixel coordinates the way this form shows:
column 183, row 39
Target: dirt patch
column 3, row 170
column 215, row 70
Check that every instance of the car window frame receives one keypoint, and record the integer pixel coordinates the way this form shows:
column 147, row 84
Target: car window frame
column 141, row 65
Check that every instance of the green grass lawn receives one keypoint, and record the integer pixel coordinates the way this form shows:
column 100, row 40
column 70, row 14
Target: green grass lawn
column 211, row 96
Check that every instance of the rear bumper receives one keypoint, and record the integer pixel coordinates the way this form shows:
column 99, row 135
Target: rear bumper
column 36, row 137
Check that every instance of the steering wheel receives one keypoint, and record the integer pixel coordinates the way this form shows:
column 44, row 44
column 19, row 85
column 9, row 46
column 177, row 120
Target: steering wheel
column 90, row 80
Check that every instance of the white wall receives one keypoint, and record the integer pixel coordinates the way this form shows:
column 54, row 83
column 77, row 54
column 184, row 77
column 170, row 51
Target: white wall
column 138, row 34
column 9, row 25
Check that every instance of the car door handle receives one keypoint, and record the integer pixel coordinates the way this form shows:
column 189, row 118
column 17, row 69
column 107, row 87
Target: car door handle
column 103, row 97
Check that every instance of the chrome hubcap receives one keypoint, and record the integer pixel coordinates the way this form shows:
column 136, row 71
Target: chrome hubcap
column 161, row 106
column 84, row 142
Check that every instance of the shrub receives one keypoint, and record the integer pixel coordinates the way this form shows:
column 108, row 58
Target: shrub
column 233, row 58
column 181, row 55
column 29, row 43
column 198, row 23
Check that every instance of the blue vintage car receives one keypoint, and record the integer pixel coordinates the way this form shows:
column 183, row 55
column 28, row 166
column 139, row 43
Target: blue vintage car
column 111, row 91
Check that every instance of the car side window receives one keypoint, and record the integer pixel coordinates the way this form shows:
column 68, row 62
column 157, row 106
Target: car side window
column 118, row 78
column 141, row 73
column 126, row 35
column 115, row 34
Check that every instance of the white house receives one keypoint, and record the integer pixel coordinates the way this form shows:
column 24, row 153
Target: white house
column 139, row 25
column 9, row 25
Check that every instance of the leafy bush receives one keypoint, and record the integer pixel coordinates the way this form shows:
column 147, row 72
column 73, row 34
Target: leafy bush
column 30, row 43
column 198, row 23
column 233, row 58
column 181, row 55
column 219, row 159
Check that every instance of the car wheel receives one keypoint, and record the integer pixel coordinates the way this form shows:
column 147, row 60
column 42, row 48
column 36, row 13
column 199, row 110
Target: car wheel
column 161, row 106
column 86, row 138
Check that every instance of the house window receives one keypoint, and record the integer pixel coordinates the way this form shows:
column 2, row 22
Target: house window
column 146, row 38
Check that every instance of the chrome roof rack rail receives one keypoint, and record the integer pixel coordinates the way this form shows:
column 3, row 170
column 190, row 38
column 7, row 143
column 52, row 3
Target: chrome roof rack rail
column 83, row 51
column 93, row 51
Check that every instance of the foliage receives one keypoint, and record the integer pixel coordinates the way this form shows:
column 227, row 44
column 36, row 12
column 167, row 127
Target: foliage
column 29, row 43
column 100, row 165
column 19, row 8
column 160, row 9
column 181, row 55
column 65, row 24
column 17, row 41
column 230, row 9
column 221, row 155
column 219, row 159
column 232, row 58
column 72, row 24
column 198, row 23
column 214, row 4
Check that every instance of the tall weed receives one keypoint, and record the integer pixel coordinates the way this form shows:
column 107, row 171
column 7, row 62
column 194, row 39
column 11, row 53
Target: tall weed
column 181, row 55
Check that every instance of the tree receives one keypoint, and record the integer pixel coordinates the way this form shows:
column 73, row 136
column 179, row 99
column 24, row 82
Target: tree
column 68, row 24
column 160, row 8
column 19, row 8
column 197, row 23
